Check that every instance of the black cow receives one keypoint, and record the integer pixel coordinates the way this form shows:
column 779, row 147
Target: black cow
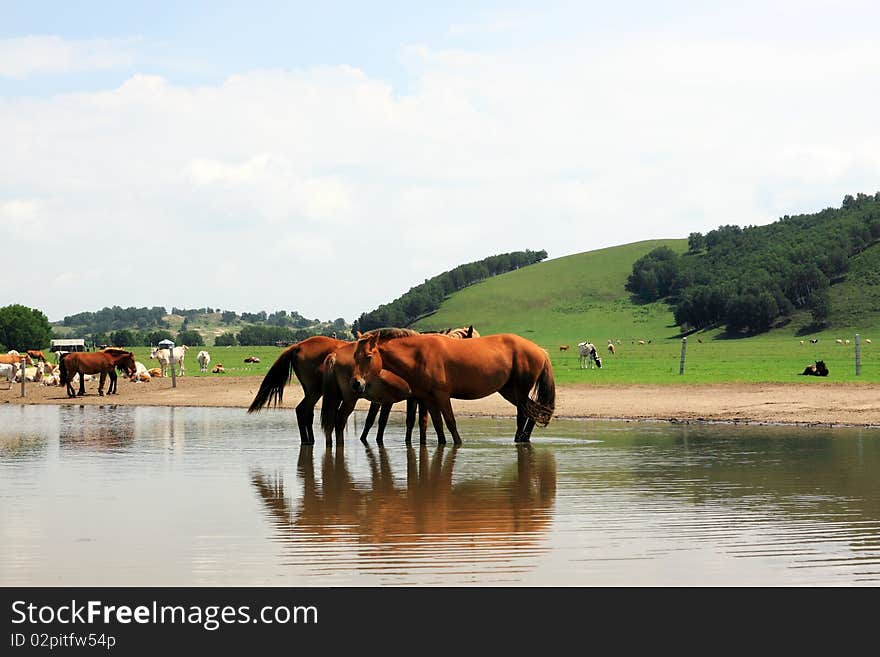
column 819, row 369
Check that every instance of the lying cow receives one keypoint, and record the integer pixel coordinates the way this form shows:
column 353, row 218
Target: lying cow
column 819, row 369
column 218, row 369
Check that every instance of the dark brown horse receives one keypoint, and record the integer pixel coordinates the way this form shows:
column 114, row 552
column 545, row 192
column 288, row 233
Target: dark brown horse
column 438, row 369
column 104, row 362
column 306, row 360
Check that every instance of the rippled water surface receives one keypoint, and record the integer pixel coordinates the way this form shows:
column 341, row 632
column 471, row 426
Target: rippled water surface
column 206, row 496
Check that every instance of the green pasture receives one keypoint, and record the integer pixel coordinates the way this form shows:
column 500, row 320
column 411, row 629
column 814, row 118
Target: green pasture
column 232, row 359
column 582, row 298
column 767, row 359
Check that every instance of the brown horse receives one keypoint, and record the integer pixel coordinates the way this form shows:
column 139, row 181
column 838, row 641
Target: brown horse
column 438, row 369
column 306, row 360
column 382, row 389
column 104, row 362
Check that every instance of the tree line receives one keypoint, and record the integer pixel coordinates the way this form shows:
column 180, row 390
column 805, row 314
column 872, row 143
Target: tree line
column 427, row 297
column 748, row 279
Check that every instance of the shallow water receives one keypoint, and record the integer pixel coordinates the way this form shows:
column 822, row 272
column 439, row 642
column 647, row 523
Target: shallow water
column 116, row 495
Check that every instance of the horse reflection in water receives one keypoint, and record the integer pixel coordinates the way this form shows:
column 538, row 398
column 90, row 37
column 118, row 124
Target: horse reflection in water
column 431, row 522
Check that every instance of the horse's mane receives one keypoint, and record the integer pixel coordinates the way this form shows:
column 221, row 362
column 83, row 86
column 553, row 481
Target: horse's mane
column 116, row 351
column 389, row 333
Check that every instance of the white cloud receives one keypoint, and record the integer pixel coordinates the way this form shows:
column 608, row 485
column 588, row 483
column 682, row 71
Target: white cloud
column 325, row 191
column 23, row 57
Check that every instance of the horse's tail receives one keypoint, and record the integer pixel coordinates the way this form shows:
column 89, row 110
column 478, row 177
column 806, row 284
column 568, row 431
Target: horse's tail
column 541, row 409
column 62, row 370
column 332, row 397
column 272, row 388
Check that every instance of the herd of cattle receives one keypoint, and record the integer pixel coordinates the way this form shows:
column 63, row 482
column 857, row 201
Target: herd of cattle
column 38, row 369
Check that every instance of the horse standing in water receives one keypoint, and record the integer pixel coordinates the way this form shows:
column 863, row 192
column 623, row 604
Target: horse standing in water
column 383, row 390
column 104, row 362
column 306, row 360
column 438, row 369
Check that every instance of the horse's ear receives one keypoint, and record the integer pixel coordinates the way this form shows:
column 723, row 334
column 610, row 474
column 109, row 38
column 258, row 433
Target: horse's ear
column 358, row 335
column 470, row 332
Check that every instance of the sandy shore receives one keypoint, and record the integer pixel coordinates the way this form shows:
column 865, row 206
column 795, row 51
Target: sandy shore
column 818, row 404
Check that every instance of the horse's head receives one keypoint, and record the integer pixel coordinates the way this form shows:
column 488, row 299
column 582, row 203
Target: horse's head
column 367, row 362
column 126, row 364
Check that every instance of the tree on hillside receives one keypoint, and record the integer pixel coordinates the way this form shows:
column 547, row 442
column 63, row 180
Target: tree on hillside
column 123, row 338
column 190, row 338
column 225, row 340
column 228, row 316
column 155, row 337
column 23, row 328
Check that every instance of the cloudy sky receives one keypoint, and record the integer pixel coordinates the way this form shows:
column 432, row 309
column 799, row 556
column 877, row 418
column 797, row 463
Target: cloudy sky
column 325, row 157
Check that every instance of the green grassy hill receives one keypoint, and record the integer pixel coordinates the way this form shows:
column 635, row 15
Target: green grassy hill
column 563, row 301
column 582, row 298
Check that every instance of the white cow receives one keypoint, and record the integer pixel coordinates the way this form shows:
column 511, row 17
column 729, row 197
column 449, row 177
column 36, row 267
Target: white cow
column 8, row 371
column 141, row 373
column 165, row 358
column 204, row 359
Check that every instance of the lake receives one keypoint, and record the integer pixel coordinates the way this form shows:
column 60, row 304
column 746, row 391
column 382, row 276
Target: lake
column 120, row 495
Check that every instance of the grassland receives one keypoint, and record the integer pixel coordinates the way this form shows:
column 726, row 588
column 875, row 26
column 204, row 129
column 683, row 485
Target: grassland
column 232, row 359
column 582, row 298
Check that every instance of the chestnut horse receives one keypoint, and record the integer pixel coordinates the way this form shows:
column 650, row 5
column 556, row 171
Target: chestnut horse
column 382, row 389
column 306, row 360
column 438, row 369
column 103, row 362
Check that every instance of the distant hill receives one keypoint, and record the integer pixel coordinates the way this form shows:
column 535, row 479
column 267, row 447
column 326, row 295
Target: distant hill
column 565, row 300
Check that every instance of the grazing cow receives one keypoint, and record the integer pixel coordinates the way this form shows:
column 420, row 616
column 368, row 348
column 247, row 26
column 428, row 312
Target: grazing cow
column 611, row 347
column 204, row 359
column 819, row 369
column 839, row 341
column 868, row 340
column 563, row 347
column 587, row 355
column 642, row 342
column 251, row 359
column 814, row 340
column 218, row 369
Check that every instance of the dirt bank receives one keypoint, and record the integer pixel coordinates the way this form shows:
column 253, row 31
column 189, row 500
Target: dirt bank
column 825, row 404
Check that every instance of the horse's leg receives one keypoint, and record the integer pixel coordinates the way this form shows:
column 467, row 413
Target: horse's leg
column 82, row 385
column 520, row 423
column 342, row 415
column 411, row 405
column 423, row 423
column 437, row 420
column 449, row 416
column 305, row 414
column 101, row 381
column 111, row 390
column 371, row 417
column 383, row 420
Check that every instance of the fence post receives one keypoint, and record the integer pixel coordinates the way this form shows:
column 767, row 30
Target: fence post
column 858, row 356
column 684, row 342
column 23, row 360
column 171, row 365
